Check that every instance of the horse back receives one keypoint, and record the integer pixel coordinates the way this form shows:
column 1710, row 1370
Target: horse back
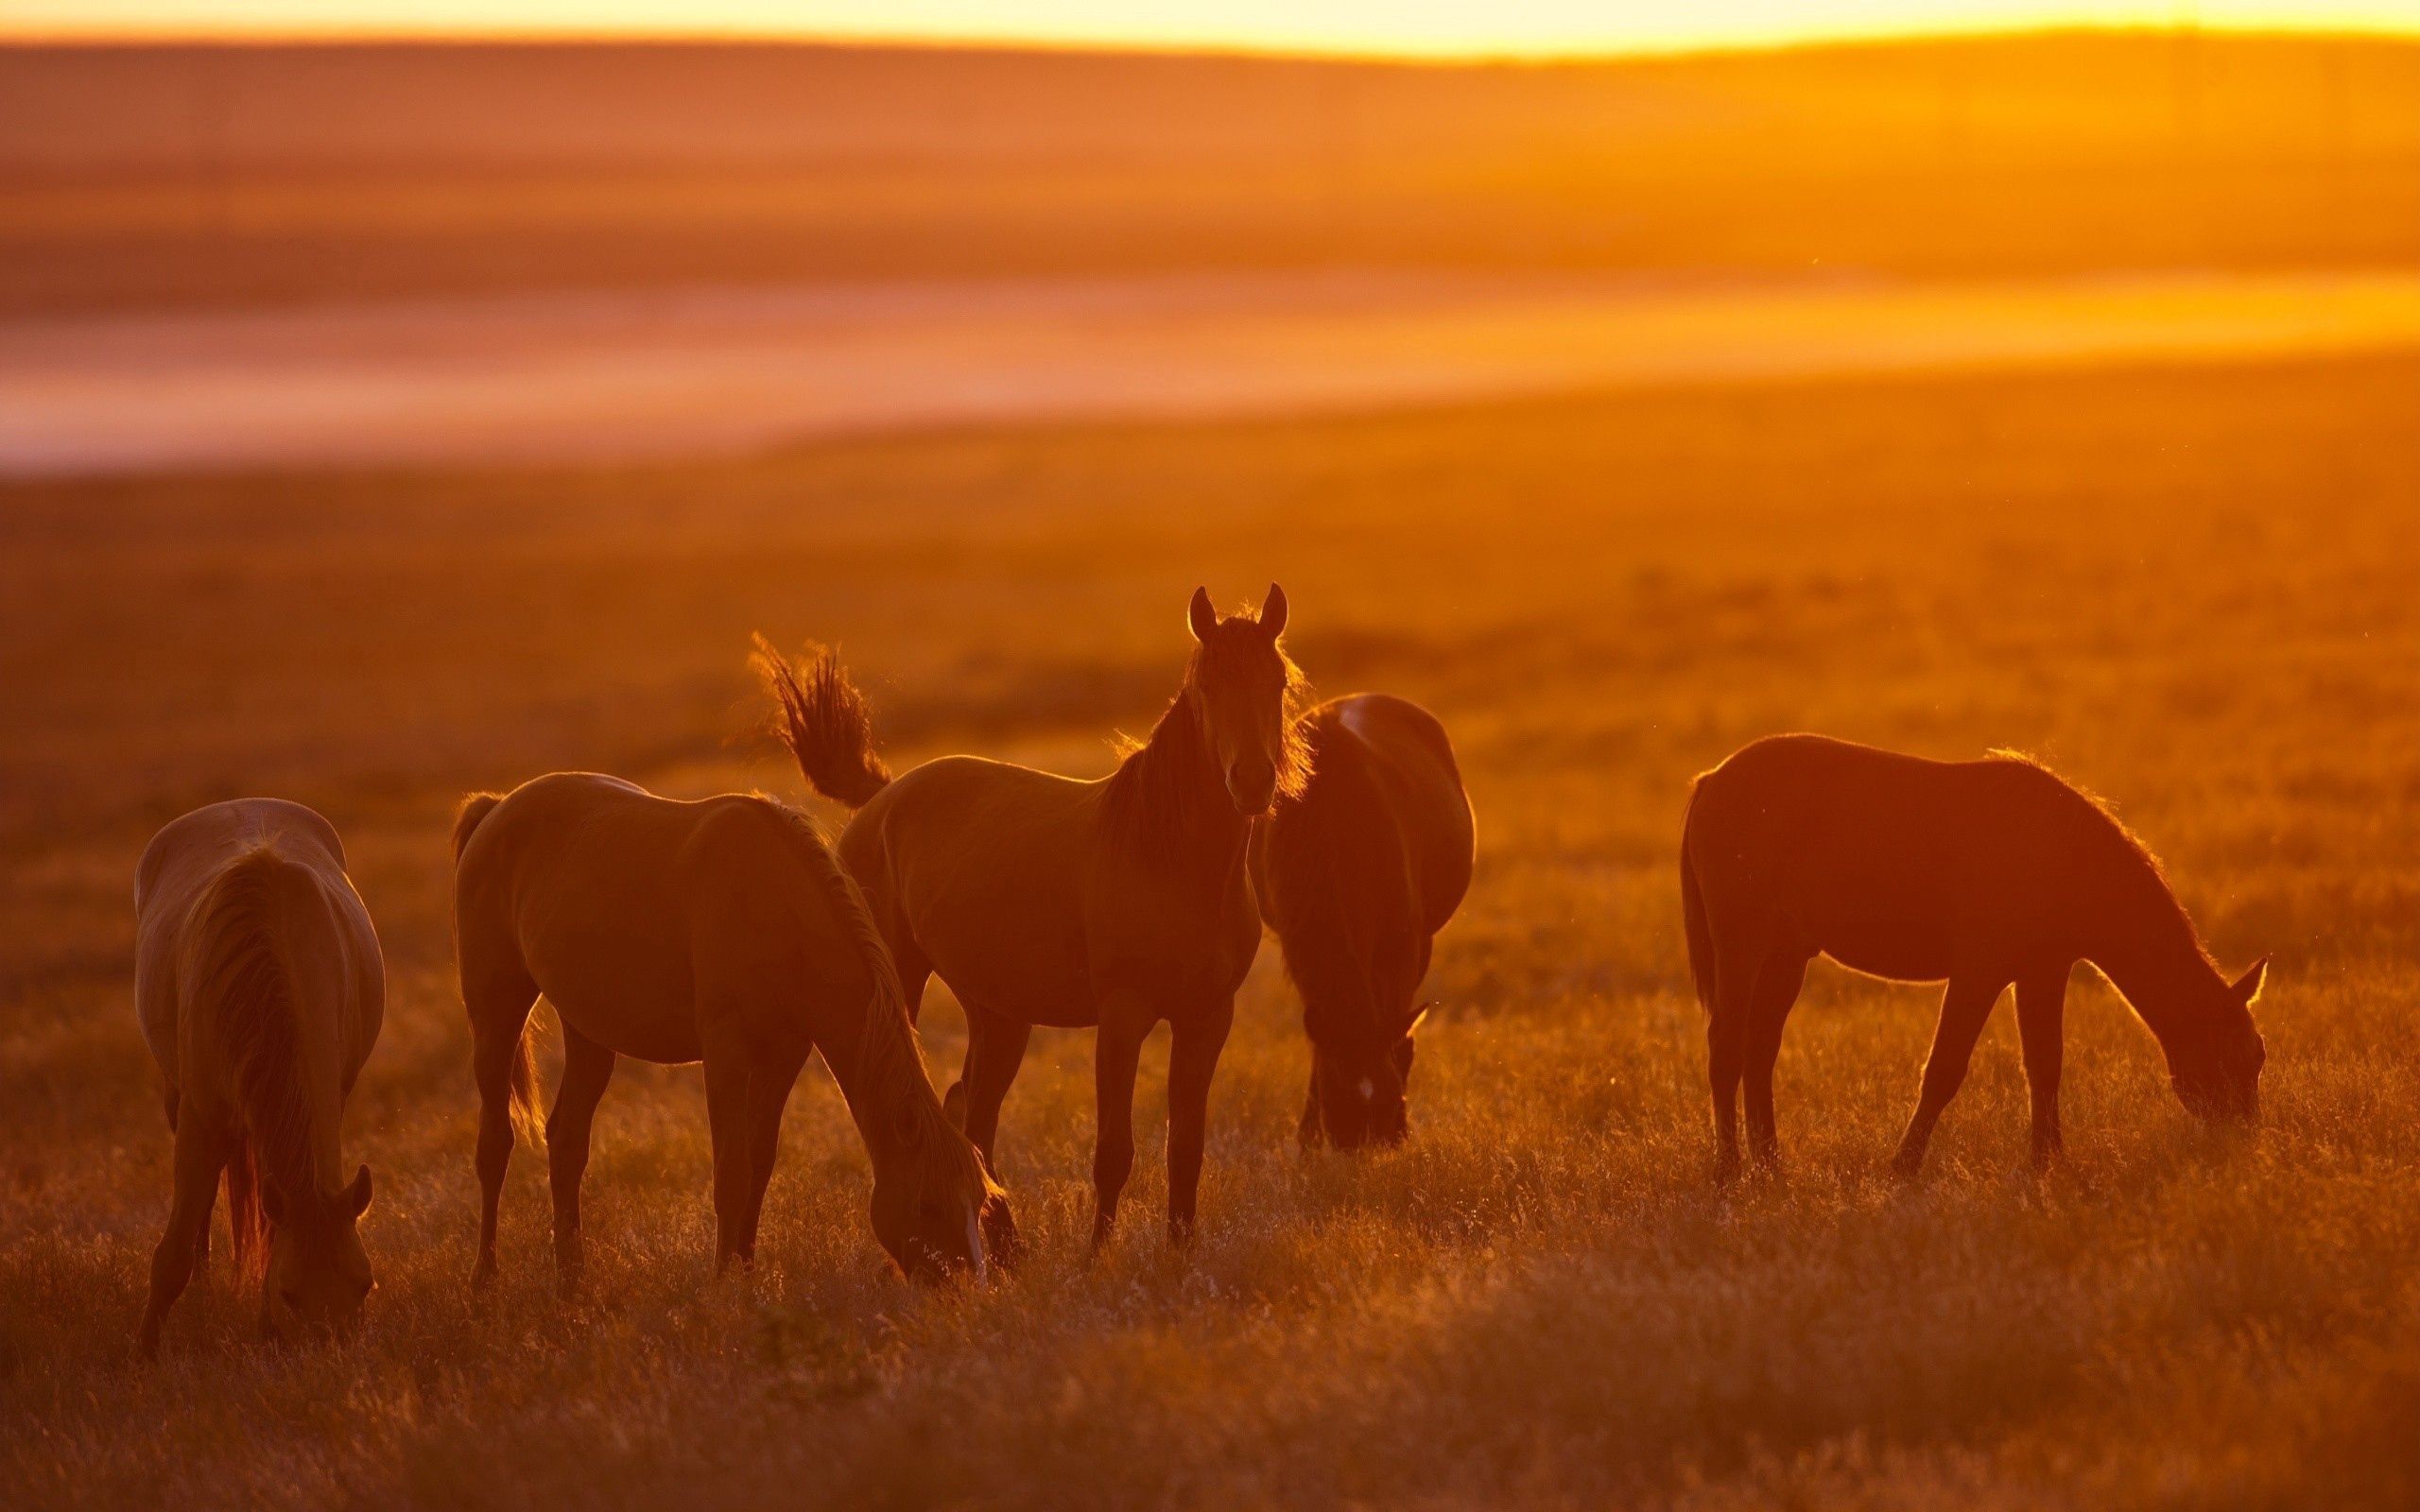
column 272, row 868
column 1412, row 769
column 1895, row 865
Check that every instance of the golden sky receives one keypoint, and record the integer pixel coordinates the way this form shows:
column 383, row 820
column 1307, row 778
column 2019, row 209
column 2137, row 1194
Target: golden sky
column 1422, row 28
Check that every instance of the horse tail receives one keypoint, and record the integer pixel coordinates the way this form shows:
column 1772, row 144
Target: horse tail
column 825, row 723
column 475, row 807
column 528, row 1118
column 247, row 1215
column 238, row 987
column 1693, row 917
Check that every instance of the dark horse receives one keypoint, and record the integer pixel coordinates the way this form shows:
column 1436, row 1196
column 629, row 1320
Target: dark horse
column 1983, row 873
column 1043, row 899
column 1355, row 877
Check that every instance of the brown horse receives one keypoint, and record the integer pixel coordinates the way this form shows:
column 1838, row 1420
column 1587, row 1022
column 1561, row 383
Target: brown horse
column 1357, row 876
column 1982, row 873
column 719, row 931
column 1042, row 900
column 260, row 986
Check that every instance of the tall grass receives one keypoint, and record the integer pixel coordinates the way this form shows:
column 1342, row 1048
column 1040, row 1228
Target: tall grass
column 2189, row 590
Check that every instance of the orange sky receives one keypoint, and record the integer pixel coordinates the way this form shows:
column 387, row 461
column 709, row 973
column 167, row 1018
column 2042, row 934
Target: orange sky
column 1418, row 27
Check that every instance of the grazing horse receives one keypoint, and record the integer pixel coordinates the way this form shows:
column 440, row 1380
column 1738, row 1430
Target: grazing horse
column 1981, row 873
column 1043, row 899
column 719, row 931
column 1357, row 876
column 260, row 987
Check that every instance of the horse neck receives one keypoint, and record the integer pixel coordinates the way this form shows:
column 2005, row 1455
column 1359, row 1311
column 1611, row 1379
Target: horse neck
column 873, row 1057
column 2149, row 954
column 1171, row 801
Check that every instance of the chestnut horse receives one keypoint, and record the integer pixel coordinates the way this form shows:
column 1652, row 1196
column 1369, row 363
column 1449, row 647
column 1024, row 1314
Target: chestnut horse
column 1043, row 899
column 1356, row 876
column 1981, row 873
column 719, row 931
column 260, row 987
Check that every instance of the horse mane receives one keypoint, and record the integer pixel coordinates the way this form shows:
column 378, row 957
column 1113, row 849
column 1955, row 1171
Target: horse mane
column 1151, row 802
column 890, row 1056
column 232, row 971
column 2099, row 820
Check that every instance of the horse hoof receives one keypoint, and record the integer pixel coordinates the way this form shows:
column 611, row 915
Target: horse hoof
column 483, row 1274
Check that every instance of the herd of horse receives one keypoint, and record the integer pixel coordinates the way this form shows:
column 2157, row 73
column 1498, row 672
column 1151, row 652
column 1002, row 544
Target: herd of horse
column 727, row 932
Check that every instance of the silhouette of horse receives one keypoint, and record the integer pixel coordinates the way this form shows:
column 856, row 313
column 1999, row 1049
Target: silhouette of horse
column 1982, row 873
column 719, row 931
column 260, row 987
column 1356, row 876
column 1042, row 900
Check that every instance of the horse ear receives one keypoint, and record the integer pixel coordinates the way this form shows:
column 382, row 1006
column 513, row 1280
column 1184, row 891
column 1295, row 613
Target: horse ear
column 954, row 1106
column 2247, row 986
column 356, row 1196
column 1200, row 615
column 1273, row 611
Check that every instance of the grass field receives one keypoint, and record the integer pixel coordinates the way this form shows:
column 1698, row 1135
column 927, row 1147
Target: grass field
column 2189, row 590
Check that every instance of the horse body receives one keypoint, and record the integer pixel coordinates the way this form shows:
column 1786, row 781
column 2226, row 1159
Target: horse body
column 261, row 989
column 1042, row 900
column 1982, row 873
column 719, row 931
column 1356, row 876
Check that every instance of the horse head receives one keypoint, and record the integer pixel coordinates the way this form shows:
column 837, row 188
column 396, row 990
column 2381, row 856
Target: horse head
column 319, row 1275
column 1360, row 1084
column 2217, row 1075
column 1239, row 686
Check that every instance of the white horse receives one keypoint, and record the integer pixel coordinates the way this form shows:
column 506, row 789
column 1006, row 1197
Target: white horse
column 260, row 986
column 719, row 931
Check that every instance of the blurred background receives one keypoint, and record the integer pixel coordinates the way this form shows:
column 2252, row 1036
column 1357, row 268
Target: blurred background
column 231, row 248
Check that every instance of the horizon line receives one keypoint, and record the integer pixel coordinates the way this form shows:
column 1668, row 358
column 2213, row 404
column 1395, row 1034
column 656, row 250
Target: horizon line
column 1107, row 46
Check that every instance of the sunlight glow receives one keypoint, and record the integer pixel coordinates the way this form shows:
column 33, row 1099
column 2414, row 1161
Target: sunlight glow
column 1398, row 27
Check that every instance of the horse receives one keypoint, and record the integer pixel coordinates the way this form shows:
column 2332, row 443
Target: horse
column 1046, row 900
column 1979, row 873
column 1356, row 876
column 719, row 931
column 260, row 988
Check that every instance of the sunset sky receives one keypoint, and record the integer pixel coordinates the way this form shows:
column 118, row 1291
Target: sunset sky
column 1396, row 27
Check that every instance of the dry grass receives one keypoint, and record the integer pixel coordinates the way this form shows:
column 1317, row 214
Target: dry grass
column 2190, row 592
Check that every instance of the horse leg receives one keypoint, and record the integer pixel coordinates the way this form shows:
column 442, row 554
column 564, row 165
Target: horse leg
column 2041, row 1023
column 498, row 998
column 1312, row 1128
column 201, row 1154
column 1777, row 984
column 915, row 971
column 1965, row 1007
column 1116, row 1048
column 769, row 1093
column 201, row 1229
column 994, row 1049
column 727, row 1105
column 587, row 1067
column 1726, row 1052
column 1193, row 1059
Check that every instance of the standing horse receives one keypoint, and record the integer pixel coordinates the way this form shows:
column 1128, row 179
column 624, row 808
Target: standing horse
column 719, row 931
column 1357, row 876
column 1982, row 873
column 1043, row 899
column 260, row 988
